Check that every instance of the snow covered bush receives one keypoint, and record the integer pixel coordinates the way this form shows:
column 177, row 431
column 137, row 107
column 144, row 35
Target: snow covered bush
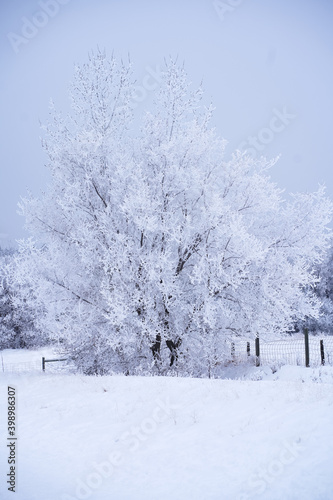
column 156, row 247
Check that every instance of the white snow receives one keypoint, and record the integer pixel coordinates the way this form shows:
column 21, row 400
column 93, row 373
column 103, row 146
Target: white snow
column 254, row 434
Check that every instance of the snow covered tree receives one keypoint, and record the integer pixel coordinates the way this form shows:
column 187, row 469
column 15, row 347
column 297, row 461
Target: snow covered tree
column 156, row 247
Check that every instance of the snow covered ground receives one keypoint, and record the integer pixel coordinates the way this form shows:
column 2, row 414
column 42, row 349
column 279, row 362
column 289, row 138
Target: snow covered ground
column 254, row 434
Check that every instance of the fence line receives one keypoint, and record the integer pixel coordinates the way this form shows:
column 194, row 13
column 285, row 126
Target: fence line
column 309, row 351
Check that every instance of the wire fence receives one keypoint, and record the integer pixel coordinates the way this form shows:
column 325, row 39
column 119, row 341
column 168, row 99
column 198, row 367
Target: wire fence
column 288, row 351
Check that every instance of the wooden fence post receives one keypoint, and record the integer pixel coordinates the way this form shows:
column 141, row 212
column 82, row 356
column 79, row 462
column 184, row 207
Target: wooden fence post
column 257, row 351
column 44, row 361
column 248, row 348
column 322, row 352
column 307, row 351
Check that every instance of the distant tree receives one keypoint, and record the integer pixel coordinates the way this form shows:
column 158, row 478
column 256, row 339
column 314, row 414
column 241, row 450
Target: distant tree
column 157, row 249
column 324, row 291
column 17, row 318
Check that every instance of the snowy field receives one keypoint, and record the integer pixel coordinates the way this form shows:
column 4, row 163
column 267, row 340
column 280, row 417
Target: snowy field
column 254, row 434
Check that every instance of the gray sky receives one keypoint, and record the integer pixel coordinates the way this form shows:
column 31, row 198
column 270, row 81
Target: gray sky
column 267, row 66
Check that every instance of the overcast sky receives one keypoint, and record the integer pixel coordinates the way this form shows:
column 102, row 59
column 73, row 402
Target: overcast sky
column 267, row 66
